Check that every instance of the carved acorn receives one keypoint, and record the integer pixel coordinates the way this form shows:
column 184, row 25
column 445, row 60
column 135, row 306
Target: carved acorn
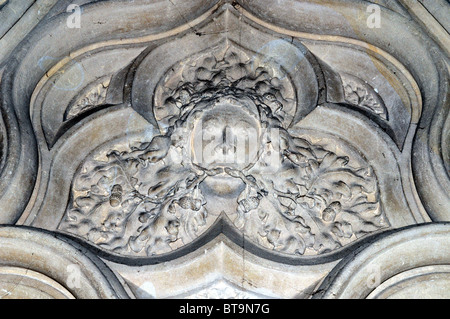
column 190, row 203
column 116, row 195
column 329, row 213
column 250, row 203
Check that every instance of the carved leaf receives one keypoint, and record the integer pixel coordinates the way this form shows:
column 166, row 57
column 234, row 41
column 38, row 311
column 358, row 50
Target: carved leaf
column 361, row 94
column 316, row 203
column 93, row 97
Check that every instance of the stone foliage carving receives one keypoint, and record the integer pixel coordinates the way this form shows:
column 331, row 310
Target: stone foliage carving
column 363, row 95
column 223, row 290
column 2, row 146
column 292, row 195
column 37, row 265
column 94, row 96
column 375, row 273
column 224, row 149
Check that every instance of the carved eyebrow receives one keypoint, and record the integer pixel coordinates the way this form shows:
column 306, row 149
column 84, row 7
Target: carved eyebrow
column 209, row 118
column 243, row 120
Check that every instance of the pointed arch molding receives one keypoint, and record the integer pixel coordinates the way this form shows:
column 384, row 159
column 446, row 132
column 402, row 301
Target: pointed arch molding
column 100, row 125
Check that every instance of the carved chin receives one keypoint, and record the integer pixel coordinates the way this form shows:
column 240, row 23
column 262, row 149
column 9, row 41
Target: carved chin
column 223, row 186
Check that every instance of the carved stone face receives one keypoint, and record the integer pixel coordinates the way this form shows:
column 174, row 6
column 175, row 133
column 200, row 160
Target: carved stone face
column 226, row 135
column 226, row 150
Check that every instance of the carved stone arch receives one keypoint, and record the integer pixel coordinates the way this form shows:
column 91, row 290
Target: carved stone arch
column 255, row 145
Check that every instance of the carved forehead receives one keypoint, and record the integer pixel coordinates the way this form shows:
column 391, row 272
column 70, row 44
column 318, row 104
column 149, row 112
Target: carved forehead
column 232, row 107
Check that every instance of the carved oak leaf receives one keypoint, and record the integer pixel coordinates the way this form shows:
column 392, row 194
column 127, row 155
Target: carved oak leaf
column 272, row 222
column 137, row 202
column 156, row 233
column 2, row 147
column 316, row 201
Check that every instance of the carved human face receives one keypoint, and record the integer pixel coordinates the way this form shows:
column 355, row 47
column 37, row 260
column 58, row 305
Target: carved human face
column 226, row 135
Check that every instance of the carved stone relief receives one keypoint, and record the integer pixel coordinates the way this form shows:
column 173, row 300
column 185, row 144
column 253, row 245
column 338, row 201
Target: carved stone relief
column 222, row 131
column 364, row 96
column 286, row 193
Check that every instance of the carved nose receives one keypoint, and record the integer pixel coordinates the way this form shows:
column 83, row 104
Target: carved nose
column 228, row 141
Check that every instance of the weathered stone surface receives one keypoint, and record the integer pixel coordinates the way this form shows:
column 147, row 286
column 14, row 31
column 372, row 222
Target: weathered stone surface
column 251, row 149
column 418, row 270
